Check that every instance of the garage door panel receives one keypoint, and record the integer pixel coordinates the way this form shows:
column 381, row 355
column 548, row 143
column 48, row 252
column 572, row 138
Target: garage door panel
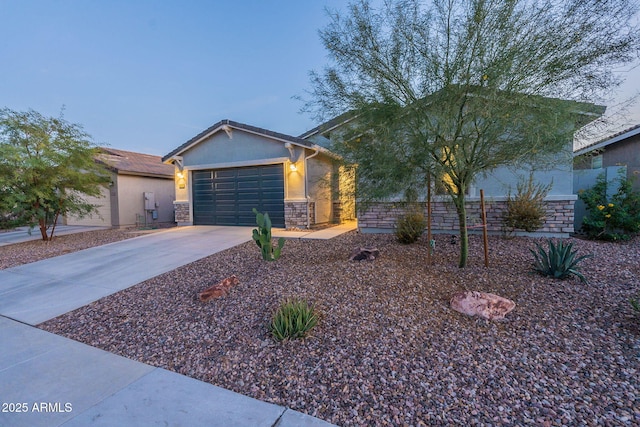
column 225, row 173
column 250, row 196
column 202, row 175
column 248, row 174
column 228, row 196
column 225, row 186
column 224, row 196
column 246, row 185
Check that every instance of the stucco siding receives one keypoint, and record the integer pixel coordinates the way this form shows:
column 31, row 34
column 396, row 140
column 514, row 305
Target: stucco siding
column 557, row 171
column 102, row 217
column 499, row 182
column 219, row 150
column 131, row 200
column 625, row 153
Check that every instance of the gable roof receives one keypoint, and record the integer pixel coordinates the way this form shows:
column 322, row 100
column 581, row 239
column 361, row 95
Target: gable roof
column 227, row 124
column 329, row 125
column 586, row 110
column 132, row 163
column 616, row 137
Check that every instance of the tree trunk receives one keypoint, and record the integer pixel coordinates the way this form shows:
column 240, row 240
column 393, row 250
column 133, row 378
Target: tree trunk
column 42, row 222
column 462, row 222
column 53, row 226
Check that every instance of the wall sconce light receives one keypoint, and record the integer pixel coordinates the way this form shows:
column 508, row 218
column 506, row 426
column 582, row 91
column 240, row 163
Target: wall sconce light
column 293, row 167
column 180, row 175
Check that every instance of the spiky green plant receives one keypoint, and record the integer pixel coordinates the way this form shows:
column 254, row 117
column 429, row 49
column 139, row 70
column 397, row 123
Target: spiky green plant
column 293, row 319
column 262, row 237
column 559, row 261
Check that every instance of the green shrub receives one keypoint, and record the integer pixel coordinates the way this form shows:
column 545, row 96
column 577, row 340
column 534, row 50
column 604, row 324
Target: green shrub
column 293, row 319
column 617, row 218
column 559, row 262
column 635, row 304
column 410, row 227
column 526, row 210
column 262, row 237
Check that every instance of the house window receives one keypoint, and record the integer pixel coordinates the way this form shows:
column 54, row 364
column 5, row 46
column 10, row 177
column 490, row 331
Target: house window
column 445, row 183
column 596, row 162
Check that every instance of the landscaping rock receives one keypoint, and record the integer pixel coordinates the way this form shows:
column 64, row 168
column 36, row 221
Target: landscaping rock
column 219, row 290
column 387, row 351
column 369, row 254
column 487, row 306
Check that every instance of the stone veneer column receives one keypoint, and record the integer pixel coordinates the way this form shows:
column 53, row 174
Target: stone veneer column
column 181, row 210
column 296, row 214
column 337, row 212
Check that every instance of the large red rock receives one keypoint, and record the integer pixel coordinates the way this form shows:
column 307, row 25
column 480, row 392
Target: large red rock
column 487, row 306
column 219, row 290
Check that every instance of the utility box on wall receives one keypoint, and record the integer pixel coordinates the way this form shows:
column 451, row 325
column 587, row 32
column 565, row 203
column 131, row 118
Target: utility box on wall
column 149, row 201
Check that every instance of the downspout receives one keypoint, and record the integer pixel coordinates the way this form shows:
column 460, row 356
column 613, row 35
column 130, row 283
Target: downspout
column 306, row 178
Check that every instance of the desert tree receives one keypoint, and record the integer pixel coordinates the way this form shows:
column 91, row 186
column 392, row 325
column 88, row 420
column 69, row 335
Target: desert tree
column 445, row 90
column 47, row 167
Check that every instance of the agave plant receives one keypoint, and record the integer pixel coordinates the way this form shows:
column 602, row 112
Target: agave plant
column 559, row 261
column 293, row 319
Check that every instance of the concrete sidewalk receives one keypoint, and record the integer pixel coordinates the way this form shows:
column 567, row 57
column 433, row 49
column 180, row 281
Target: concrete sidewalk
column 22, row 234
column 56, row 381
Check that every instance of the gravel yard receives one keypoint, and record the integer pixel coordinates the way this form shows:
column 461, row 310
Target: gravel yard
column 388, row 350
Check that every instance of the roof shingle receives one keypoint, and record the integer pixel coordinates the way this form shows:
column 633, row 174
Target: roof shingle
column 122, row 161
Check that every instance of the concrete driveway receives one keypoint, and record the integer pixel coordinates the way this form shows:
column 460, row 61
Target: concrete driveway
column 36, row 292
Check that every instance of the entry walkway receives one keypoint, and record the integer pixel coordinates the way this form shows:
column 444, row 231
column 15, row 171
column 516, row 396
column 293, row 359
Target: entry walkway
column 325, row 233
column 53, row 381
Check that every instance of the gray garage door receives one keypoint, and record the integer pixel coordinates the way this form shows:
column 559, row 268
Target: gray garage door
column 227, row 196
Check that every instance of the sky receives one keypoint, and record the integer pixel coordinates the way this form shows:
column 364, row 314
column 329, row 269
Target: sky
column 147, row 76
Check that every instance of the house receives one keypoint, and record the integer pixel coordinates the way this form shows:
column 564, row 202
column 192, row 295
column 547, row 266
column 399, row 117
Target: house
column 497, row 185
column 230, row 168
column 141, row 191
column 612, row 157
column 621, row 149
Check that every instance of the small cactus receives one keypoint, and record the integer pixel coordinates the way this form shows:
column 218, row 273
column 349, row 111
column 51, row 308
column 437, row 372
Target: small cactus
column 262, row 237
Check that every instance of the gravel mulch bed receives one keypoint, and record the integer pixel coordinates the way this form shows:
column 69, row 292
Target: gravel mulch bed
column 388, row 350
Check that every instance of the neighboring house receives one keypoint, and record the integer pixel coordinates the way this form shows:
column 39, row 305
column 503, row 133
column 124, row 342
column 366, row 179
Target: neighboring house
column 497, row 185
column 612, row 157
column 230, row 168
column 141, row 191
column 621, row 149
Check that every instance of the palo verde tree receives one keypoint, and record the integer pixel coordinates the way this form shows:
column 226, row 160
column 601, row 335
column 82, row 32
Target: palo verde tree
column 450, row 89
column 47, row 166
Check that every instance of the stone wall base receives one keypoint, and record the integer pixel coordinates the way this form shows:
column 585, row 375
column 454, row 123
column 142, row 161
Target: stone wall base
column 181, row 213
column 444, row 218
column 296, row 214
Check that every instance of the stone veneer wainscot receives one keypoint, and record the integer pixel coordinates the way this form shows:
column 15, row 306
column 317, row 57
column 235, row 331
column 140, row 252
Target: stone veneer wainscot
column 381, row 217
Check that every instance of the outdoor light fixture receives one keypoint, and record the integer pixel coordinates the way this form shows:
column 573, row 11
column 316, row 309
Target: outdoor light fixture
column 180, row 175
column 293, row 167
